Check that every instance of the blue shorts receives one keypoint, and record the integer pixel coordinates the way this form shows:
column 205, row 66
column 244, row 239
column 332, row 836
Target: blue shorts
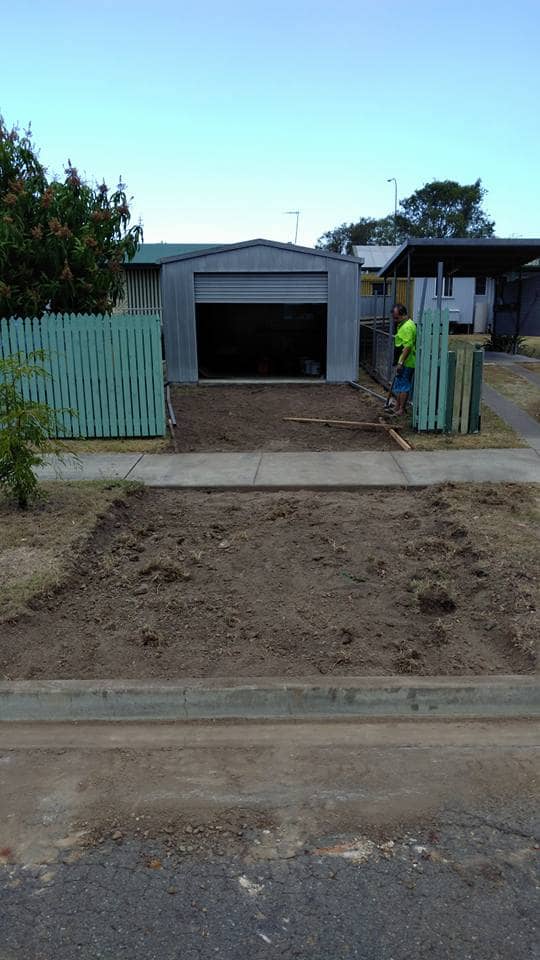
column 403, row 381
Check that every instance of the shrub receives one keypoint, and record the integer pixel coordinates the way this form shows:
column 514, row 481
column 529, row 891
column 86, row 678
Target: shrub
column 505, row 343
column 26, row 427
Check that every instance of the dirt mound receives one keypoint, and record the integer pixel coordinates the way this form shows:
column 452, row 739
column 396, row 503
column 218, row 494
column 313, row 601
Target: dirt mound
column 177, row 584
column 251, row 418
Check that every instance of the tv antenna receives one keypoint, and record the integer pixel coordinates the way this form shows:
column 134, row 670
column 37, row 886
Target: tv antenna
column 295, row 213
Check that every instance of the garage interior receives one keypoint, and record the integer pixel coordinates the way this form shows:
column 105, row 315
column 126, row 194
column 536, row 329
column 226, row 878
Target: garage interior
column 261, row 340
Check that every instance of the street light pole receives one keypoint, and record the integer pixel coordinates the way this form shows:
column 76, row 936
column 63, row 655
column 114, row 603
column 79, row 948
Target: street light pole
column 297, row 215
column 394, row 181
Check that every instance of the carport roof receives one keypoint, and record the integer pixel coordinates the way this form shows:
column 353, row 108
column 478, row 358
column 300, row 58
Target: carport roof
column 462, row 257
column 209, row 251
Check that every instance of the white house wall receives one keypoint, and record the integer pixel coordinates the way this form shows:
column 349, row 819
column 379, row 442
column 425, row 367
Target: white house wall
column 460, row 304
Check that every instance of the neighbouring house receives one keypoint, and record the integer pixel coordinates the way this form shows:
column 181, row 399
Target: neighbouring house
column 517, row 303
column 372, row 258
column 260, row 310
column 466, row 298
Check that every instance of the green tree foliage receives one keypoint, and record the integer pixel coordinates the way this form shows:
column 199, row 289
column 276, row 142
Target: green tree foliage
column 445, row 208
column 62, row 243
column 25, row 427
column 367, row 230
column 442, row 208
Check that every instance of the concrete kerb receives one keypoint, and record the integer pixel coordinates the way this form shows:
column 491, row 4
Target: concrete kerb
column 494, row 697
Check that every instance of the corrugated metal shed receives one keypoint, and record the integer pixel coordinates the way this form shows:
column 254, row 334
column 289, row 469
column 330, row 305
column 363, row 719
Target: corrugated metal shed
column 256, row 269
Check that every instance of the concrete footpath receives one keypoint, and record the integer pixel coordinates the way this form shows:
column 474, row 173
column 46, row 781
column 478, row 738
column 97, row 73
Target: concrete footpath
column 267, row 471
column 519, row 420
column 268, row 698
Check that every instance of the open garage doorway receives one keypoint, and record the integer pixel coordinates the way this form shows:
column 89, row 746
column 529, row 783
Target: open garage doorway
column 261, row 340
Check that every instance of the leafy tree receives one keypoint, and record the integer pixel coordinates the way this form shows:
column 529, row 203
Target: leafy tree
column 25, row 427
column 442, row 208
column 366, row 230
column 445, row 208
column 62, row 243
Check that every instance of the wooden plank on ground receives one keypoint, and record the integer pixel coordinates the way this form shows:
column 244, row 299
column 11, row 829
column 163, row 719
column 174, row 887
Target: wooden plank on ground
column 404, row 444
column 368, row 425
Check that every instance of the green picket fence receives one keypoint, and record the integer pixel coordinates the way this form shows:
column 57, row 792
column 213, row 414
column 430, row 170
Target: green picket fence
column 448, row 383
column 431, row 375
column 107, row 369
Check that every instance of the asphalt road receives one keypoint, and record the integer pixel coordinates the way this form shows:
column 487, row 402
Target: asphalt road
column 319, row 841
column 465, row 891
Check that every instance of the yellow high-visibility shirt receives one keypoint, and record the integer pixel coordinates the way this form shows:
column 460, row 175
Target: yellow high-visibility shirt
column 406, row 337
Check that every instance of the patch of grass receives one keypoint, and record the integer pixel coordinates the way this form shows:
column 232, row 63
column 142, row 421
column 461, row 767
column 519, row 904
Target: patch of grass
column 38, row 547
column 530, row 346
column 468, row 338
column 495, row 433
column 120, row 445
column 509, row 383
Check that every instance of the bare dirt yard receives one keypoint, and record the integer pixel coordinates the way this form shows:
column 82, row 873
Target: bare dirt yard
column 251, row 418
column 175, row 584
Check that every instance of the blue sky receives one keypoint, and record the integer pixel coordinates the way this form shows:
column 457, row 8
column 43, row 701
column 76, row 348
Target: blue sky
column 221, row 116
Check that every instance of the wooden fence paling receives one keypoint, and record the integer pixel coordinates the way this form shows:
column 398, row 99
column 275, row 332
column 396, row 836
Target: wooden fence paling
column 450, row 386
column 108, row 369
column 476, row 389
column 443, row 371
column 458, row 390
column 466, row 396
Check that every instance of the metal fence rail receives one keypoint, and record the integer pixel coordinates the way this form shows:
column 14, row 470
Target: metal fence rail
column 377, row 348
column 106, row 368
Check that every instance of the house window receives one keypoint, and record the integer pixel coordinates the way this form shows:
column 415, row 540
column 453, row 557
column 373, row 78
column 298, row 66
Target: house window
column 448, row 287
column 377, row 288
column 480, row 286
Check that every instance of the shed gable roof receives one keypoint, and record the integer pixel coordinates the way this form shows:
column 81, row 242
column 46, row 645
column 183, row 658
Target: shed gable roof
column 229, row 247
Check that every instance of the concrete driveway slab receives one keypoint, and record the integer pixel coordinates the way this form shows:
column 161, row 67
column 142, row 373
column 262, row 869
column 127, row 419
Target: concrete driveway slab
column 470, row 466
column 197, row 469
column 97, row 466
column 343, row 469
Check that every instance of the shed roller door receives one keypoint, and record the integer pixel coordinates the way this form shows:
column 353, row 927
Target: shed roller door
column 261, row 287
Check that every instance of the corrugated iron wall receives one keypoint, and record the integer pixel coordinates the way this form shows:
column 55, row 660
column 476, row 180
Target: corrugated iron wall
column 143, row 291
